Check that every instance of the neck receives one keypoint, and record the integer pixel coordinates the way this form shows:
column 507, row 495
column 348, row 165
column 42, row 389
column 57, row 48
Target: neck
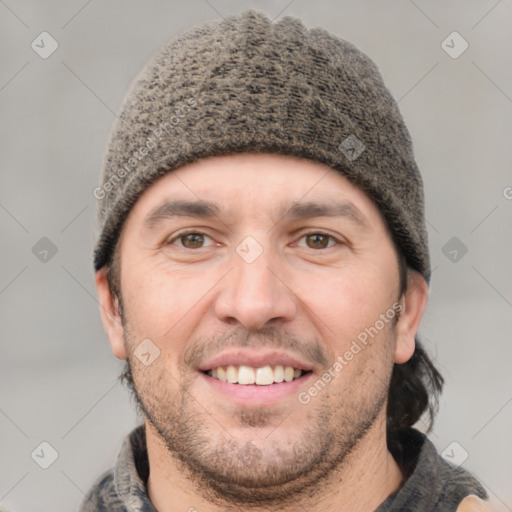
column 365, row 480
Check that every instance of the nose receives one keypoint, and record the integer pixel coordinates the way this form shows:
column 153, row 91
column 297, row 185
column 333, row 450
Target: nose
column 254, row 294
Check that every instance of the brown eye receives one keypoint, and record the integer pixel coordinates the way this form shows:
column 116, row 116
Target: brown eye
column 319, row 240
column 192, row 240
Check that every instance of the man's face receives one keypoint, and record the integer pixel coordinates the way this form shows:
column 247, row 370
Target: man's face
column 259, row 284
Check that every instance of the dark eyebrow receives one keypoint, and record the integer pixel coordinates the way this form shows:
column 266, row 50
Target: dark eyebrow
column 293, row 211
column 181, row 208
column 297, row 210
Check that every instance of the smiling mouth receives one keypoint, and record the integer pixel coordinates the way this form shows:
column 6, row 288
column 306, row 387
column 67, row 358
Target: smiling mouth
column 261, row 376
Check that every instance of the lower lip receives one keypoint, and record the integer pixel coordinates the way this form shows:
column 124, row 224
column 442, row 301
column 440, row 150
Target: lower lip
column 257, row 395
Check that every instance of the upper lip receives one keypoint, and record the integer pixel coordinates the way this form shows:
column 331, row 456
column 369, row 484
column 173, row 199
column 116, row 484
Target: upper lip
column 256, row 359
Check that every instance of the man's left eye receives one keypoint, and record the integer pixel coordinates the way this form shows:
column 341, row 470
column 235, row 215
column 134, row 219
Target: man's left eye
column 319, row 240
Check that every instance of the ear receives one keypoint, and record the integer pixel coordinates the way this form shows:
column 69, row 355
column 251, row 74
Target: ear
column 413, row 306
column 109, row 310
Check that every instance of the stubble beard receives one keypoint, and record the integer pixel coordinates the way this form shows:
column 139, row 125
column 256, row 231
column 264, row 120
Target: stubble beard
column 231, row 473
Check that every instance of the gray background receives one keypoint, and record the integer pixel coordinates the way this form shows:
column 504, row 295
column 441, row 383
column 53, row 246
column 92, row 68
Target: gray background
column 57, row 374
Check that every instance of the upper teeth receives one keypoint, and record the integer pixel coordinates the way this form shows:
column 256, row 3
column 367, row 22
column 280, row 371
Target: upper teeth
column 262, row 376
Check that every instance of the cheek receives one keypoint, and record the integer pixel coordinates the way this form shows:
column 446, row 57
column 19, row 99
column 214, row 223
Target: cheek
column 346, row 302
column 163, row 304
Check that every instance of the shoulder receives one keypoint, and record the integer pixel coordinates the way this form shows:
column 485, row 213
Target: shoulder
column 473, row 504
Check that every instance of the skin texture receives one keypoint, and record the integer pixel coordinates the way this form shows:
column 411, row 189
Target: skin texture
column 309, row 296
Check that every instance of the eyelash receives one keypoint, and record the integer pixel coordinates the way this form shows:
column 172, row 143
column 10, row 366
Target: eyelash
column 195, row 232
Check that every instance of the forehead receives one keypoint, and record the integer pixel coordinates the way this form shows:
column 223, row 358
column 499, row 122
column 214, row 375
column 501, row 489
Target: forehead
column 255, row 185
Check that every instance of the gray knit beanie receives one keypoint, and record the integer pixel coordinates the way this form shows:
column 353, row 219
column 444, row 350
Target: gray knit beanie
column 245, row 84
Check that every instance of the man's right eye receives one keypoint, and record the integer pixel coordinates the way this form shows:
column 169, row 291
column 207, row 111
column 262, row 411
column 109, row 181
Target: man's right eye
column 189, row 240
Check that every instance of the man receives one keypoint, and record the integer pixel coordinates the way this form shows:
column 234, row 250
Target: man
column 263, row 267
